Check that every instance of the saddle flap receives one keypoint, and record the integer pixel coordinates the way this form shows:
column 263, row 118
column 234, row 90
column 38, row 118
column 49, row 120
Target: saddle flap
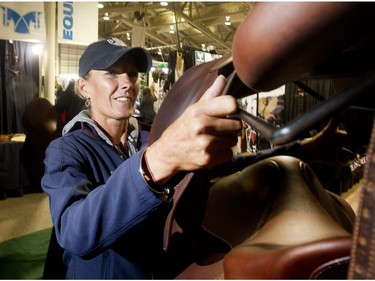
column 297, row 262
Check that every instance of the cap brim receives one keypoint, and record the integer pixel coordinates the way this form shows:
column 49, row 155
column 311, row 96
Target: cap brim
column 143, row 59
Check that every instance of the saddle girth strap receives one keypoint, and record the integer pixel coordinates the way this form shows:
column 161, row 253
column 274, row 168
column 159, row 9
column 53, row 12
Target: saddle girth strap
column 362, row 265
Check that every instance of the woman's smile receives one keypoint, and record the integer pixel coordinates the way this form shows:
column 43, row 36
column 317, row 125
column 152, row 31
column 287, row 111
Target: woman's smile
column 123, row 99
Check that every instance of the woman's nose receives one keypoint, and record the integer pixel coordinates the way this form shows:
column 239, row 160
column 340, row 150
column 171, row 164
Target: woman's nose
column 126, row 80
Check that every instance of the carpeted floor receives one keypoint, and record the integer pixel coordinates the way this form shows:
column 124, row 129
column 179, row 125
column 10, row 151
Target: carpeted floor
column 25, row 229
column 23, row 215
column 24, row 257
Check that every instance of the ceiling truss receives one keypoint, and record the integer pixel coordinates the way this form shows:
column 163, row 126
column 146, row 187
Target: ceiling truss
column 195, row 24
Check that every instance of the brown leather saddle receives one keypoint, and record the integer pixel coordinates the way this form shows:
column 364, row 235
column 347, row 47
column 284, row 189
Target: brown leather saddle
column 272, row 219
column 275, row 206
column 278, row 222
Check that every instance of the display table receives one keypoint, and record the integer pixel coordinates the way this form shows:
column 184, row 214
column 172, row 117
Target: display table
column 13, row 178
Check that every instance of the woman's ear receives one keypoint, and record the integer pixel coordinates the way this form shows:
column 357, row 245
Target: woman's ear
column 81, row 86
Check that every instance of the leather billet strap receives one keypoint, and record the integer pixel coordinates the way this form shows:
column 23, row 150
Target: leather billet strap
column 234, row 87
column 170, row 225
column 362, row 265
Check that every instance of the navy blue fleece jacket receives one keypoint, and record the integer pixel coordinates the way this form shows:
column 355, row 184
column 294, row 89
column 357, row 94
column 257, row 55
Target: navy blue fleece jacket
column 97, row 199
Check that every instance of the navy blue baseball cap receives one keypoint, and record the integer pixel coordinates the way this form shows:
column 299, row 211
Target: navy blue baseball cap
column 105, row 53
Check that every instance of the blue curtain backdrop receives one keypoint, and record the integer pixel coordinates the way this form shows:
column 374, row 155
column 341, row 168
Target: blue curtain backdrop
column 19, row 84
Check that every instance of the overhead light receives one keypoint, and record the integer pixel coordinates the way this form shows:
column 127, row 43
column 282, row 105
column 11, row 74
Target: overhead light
column 171, row 29
column 227, row 20
column 128, row 35
column 37, row 49
column 164, row 4
column 106, row 16
column 100, row 6
column 211, row 48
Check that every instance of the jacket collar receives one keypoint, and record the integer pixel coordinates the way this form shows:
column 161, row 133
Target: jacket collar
column 84, row 118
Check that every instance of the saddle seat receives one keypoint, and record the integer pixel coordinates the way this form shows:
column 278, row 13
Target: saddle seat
column 280, row 223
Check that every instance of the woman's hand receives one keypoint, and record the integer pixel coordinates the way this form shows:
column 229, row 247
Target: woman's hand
column 201, row 137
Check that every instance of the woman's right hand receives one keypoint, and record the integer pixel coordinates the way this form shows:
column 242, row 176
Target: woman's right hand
column 201, row 137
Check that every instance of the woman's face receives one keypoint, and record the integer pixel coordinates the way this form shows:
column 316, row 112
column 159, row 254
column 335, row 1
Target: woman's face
column 112, row 92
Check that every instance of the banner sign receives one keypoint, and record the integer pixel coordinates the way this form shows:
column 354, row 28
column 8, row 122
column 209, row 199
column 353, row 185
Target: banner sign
column 77, row 22
column 24, row 21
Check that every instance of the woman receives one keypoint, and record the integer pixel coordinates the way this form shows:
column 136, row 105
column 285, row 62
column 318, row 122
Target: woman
column 147, row 106
column 108, row 194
